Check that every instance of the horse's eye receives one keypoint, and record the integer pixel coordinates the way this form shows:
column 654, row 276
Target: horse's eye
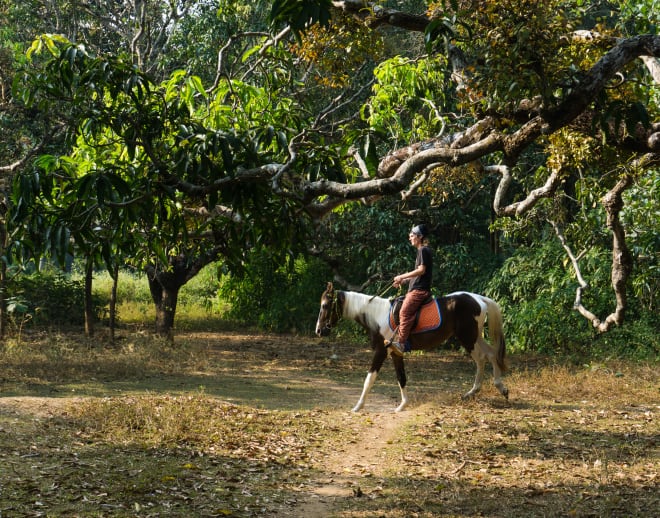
column 325, row 305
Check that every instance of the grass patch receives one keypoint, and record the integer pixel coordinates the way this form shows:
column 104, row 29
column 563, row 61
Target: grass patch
column 153, row 456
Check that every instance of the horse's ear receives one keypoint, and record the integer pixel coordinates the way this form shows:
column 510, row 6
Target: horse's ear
column 329, row 288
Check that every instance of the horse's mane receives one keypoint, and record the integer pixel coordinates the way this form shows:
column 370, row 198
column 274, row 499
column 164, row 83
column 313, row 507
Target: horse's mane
column 367, row 309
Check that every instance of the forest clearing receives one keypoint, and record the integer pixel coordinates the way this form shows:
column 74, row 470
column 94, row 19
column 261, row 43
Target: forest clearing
column 203, row 168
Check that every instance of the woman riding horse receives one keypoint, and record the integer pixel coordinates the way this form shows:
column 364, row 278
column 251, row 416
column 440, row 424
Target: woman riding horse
column 463, row 315
column 419, row 287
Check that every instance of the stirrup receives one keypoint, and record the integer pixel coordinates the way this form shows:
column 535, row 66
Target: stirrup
column 396, row 347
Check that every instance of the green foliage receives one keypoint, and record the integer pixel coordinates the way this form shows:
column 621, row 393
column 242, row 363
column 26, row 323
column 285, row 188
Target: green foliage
column 202, row 290
column 195, row 40
column 641, row 217
column 372, row 242
column 537, row 288
column 639, row 16
column 51, row 299
column 464, row 266
column 280, row 299
column 407, row 102
column 152, row 162
column 132, row 287
column 637, row 339
column 367, row 241
column 535, row 308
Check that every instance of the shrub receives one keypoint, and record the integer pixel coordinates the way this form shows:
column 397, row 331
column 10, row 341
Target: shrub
column 131, row 287
column 50, row 298
column 537, row 287
column 276, row 298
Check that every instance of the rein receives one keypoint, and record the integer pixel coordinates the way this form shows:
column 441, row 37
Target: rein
column 335, row 306
column 382, row 292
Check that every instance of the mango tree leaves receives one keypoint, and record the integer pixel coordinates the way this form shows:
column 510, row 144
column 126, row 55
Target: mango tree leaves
column 156, row 160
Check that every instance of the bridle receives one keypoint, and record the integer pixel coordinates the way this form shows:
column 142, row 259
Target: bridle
column 335, row 310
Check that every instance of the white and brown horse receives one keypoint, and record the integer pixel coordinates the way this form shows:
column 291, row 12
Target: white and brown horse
column 463, row 316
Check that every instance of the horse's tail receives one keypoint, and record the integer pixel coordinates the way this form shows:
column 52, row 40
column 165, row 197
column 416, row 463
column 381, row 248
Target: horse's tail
column 496, row 330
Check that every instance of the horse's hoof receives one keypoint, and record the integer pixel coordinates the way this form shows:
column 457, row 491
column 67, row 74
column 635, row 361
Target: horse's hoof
column 505, row 393
column 467, row 395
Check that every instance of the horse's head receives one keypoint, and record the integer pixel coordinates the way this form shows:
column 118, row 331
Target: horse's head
column 330, row 310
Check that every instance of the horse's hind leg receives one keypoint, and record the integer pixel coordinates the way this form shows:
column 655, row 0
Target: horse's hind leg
column 497, row 372
column 480, row 360
column 401, row 377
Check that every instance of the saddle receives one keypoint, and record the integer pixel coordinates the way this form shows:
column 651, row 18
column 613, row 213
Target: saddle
column 427, row 318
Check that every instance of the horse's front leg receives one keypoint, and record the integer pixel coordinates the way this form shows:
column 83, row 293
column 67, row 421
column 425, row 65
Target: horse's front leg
column 376, row 363
column 400, row 369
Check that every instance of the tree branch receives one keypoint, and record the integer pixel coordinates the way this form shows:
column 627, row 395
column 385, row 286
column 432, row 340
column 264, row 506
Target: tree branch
column 521, row 207
column 582, row 284
column 404, row 174
column 265, row 172
column 398, row 169
column 652, row 63
column 48, row 137
column 374, row 15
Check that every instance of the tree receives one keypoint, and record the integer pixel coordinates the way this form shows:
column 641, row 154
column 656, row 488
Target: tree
column 258, row 155
column 38, row 131
column 524, row 82
column 169, row 165
column 85, row 201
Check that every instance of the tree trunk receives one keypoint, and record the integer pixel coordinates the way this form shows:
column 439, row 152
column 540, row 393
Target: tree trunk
column 165, row 312
column 113, row 303
column 89, row 305
column 622, row 262
column 4, row 317
column 165, row 296
column 165, row 283
column 3, row 299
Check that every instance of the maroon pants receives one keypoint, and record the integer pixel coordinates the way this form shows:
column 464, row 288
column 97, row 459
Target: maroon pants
column 410, row 305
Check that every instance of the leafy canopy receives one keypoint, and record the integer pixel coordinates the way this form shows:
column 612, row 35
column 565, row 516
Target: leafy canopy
column 164, row 163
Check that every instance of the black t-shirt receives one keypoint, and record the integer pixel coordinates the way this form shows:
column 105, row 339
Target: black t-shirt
column 423, row 282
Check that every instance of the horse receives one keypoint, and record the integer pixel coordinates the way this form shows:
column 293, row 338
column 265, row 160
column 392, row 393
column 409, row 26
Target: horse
column 463, row 316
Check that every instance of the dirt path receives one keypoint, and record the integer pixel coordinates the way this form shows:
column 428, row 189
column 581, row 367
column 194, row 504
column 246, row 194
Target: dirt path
column 343, row 473
column 346, row 468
